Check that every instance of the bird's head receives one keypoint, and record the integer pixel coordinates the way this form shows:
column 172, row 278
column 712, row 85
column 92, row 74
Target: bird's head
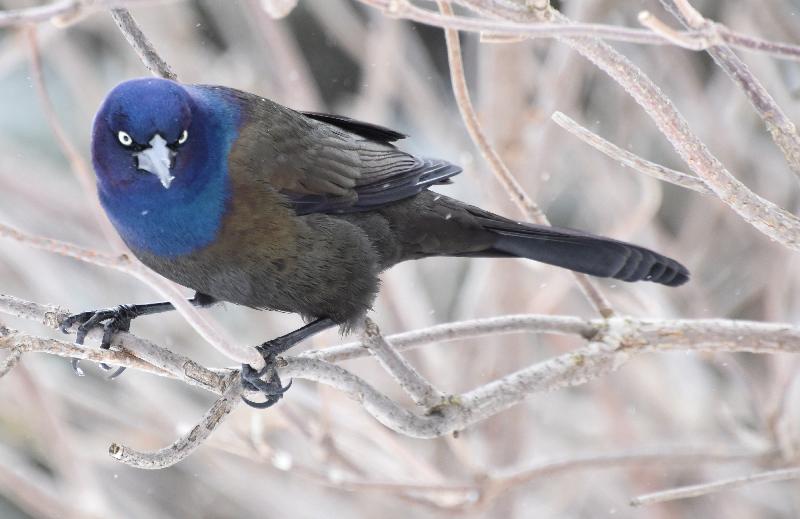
column 141, row 130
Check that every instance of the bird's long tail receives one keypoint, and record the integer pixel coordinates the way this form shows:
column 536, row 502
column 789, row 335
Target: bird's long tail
column 578, row 251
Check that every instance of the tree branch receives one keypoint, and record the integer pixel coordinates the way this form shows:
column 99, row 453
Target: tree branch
column 141, row 44
column 420, row 390
column 764, row 215
column 716, row 486
column 631, row 159
column 189, row 442
column 614, row 342
column 779, row 126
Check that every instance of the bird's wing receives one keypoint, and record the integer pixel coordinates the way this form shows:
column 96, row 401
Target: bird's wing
column 403, row 184
column 377, row 173
column 327, row 163
column 369, row 131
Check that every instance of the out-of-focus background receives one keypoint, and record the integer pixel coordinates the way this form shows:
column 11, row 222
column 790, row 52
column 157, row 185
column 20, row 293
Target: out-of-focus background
column 318, row 454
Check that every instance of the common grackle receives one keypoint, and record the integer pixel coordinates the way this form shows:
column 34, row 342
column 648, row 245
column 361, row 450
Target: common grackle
column 250, row 202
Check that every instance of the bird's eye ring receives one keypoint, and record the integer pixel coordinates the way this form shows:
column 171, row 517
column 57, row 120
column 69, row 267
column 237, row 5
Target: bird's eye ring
column 124, row 138
column 183, row 137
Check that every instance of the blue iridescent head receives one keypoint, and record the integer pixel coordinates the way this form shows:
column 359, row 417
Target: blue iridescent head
column 140, row 131
column 160, row 152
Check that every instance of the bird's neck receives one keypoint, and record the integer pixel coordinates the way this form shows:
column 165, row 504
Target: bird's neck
column 188, row 216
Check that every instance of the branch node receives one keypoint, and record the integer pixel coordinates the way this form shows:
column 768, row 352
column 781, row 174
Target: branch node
column 446, row 406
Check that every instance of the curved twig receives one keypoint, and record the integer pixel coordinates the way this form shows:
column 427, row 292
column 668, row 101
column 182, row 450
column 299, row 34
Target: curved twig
column 189, row 442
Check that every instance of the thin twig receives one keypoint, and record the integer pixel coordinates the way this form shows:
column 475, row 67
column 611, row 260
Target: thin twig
column 41, row 13
column 764, row 215
column 631, row 159
column 404, row 9
column 463, row 330
column 420, row 390
column 62, row 12
column 779, row 126
column 716, row 486
column 141, row 44
column 187, row 443
column 461, row 92
column 767, row 217
column 501, row 481
column 678, row 38
column 19, row 344
column 118, row 262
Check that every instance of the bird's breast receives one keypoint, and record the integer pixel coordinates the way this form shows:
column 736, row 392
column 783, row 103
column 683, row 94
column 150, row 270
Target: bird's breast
column 252, row 255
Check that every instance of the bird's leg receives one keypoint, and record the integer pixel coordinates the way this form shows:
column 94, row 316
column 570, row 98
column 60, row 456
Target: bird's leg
column 119, row 319
column 266, row 380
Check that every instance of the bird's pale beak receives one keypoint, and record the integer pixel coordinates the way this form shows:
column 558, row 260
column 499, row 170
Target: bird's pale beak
column 157, row 160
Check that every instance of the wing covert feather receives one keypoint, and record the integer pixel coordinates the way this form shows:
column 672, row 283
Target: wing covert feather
column 328, row 163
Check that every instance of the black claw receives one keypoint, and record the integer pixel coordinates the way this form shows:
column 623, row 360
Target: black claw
column 75, row 363
column 116, row 319
column 251, row 379
column 117, row 373
column 269, row 402
column 285, row 388
column 265, row 381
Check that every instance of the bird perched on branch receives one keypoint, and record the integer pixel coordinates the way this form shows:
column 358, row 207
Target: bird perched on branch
column 250, row 202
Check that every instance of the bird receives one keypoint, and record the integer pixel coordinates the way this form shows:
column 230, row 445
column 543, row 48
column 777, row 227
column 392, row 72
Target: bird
column 246, row 201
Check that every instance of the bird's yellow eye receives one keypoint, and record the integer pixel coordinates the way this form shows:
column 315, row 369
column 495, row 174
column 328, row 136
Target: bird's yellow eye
column 183, row 137
column 124, row 138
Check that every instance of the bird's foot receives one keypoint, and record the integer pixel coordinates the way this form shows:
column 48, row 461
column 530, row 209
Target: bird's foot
column 266, row 380
column 112, row 320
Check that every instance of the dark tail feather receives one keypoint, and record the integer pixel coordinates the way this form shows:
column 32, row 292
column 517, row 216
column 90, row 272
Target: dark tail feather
column 582, row 252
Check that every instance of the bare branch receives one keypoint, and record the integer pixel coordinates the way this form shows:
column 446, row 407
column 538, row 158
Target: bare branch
column 136, row 352
column 521, row 28
column 189, row 442
column 500, row 481
column 716, row 486
column 678, row 38
column 631, row 159
column 780, row 127
column 463, row 330
column 66, row 249
column 613, row 343
column 41, row 13
column 420, row 390
column 765, row 216
column 61, row 11
column 141, row 44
